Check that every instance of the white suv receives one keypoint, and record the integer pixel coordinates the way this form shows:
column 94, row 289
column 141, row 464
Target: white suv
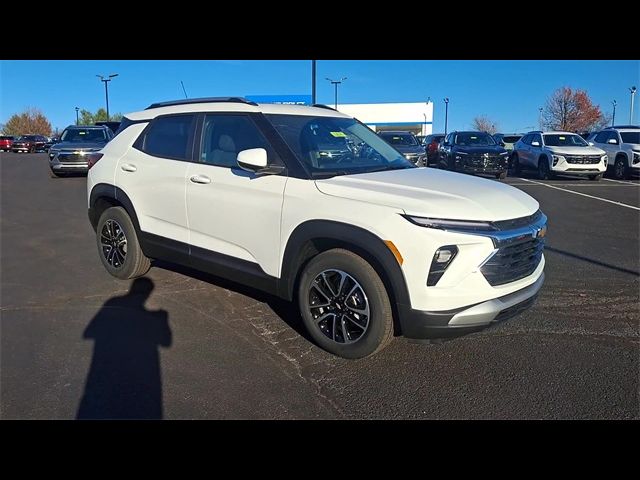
column 309, row 204
column 622, row 144
column 552, row 153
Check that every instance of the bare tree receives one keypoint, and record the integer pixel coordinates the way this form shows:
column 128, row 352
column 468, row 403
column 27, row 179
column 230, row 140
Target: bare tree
column 31, row 120
column 483, row 124
column 572, row 111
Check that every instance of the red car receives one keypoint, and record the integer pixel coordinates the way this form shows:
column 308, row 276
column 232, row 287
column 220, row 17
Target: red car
column 431, row 142
column 6, row 142
column 29, row 143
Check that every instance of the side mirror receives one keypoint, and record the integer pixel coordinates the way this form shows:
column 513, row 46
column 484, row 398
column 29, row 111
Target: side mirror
column 255, row 160
column 446, row 144
column 501, row 143
column 252, row 159
column 591, row 144
column 612, row 141
column 535, row 144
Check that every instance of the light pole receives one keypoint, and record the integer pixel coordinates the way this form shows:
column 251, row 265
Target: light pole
column 613, row 120
column 313, row 82
column 446, row 115
column 77, row 121
column 336, row 83
column 540, row 117
column 106, row 80
column 633, row 94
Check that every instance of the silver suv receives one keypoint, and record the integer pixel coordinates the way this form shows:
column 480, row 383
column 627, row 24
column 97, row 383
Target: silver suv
column 622, row 144
column 552, row 153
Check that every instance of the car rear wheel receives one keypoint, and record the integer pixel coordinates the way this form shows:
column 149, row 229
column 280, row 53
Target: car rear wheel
column 118, row 245
column 344, row 305
column 501, row 175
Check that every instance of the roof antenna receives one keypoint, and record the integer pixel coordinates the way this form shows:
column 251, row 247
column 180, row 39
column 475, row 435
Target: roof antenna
column 185, row 92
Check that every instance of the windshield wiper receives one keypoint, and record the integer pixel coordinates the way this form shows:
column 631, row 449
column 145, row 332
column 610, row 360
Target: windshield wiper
column 329, row 174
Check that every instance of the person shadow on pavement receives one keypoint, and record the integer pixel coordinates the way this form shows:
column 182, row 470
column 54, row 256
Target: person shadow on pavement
column 124, row 380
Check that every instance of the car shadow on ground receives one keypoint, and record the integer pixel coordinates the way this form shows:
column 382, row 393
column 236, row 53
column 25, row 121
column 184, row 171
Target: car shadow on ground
column 635, row 273
column 124, row 380
column 287, row 311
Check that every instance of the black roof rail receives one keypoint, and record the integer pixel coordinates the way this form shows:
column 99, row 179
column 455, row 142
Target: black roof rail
column 320, row 105
column 188, row 101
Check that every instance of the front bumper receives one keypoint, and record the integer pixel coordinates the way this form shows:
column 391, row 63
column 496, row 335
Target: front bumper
column 482, row 166
column 70, row 167
column 420, row 324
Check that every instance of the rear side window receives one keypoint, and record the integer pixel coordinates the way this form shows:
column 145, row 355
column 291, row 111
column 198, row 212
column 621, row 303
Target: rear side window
column 601, row 137
column 169, row 137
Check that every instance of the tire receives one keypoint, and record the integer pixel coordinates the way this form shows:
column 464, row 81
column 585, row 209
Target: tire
column 123, row 263
column 501, row 175
column 595, row 178
column 355, row 335
column 515, row 161
column 53, row 174
column 620, row 170
column 543, row 169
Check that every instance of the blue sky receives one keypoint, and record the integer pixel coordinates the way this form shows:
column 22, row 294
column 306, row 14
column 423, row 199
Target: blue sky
column 508, row 92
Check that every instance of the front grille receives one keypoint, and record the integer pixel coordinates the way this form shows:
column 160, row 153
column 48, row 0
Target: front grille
column 582, row 159
column 71, row 158
column 513, row 262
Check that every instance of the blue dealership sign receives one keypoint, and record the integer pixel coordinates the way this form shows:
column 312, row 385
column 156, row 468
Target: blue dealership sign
column 281, row 99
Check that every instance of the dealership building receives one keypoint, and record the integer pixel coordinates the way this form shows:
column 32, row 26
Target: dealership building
column 414, row 117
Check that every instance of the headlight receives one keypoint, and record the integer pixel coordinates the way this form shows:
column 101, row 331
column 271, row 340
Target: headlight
column 604, row 159
column 636, row 157
column 456, row 225
column 441, row 260
column 556, row 159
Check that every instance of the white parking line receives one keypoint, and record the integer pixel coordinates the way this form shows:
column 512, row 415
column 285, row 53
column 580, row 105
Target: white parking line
column 582, row 194
column 620, row 181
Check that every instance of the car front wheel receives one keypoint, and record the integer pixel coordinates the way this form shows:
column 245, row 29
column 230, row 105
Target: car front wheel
column 543, row 169
column 344, row 305
column 118, row 245
column 620, row 169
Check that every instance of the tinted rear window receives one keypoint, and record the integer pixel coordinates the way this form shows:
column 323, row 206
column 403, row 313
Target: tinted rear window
column 2, row 137
column 511, row 138
column 169, row 137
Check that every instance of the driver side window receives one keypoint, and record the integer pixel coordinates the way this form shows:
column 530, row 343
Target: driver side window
column 224, row 136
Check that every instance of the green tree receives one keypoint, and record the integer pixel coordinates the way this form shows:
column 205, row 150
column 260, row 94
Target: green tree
column 88, row 118
column 31, row 121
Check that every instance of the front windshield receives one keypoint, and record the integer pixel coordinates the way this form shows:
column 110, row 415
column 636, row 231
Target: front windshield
column 404, row 139
column 557, row 140
column 630, row 137
column 330, row 146
column 83, row 135
column 474, row 139
column 511, row 139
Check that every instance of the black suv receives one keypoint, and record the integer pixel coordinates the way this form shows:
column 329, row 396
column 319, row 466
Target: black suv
column 70, row 154
column 473, row 152
column 407, row 144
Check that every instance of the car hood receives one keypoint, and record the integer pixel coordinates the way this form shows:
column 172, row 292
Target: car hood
column 576, row 150
column 434, row 193
column 633, row 146
column 405, row 149
column 480, row 150
column 78, row 145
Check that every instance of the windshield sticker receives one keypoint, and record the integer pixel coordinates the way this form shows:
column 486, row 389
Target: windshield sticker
column 81, row 132
column 562, row 138
column 338, row 134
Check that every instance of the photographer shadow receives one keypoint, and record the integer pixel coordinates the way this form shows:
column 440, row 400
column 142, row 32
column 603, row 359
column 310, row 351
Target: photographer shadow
column 124, row 380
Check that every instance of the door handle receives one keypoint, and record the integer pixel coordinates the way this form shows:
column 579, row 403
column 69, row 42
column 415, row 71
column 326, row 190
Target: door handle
column 127, row 167
column 203, row 179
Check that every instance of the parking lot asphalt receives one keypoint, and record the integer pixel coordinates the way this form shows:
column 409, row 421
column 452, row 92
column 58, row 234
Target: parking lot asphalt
column 77, row 343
